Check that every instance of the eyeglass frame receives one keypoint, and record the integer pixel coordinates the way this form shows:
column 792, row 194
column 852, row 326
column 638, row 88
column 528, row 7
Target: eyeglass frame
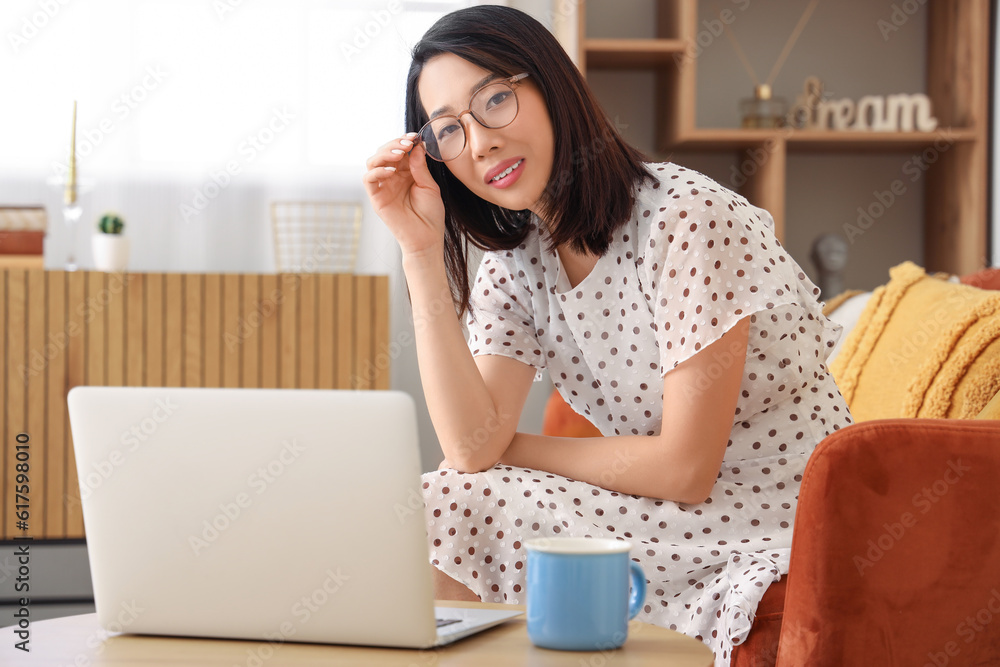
column 458, row 117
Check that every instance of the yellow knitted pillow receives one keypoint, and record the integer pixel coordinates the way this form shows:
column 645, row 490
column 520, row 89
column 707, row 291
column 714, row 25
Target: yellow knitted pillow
column 923, row 347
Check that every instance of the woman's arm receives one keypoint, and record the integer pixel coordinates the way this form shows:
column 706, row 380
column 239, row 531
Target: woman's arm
column 466, row 398
column 474, row 403
column 683, row 461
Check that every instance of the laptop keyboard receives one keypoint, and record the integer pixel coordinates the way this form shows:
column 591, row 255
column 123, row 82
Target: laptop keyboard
column 441, row 622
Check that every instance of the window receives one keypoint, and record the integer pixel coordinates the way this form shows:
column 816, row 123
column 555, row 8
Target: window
column 279, row 89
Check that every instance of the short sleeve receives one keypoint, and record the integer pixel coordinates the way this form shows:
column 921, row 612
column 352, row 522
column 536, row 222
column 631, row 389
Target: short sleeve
column 712, row 259
column 501, row 322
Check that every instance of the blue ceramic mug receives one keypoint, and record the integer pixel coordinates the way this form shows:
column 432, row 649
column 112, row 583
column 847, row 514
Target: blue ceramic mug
column 578, row 592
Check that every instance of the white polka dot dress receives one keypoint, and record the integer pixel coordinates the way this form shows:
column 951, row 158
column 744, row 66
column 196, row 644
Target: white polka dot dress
column 694, row 259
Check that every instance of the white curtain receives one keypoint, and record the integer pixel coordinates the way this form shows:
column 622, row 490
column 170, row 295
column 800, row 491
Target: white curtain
column 284, row 89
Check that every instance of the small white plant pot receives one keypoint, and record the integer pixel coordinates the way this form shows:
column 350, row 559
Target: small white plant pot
column 110, row 251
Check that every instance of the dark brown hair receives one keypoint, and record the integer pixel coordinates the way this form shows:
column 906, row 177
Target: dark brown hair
column 591, row 191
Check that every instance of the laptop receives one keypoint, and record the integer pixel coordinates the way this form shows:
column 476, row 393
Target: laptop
column 264, row 514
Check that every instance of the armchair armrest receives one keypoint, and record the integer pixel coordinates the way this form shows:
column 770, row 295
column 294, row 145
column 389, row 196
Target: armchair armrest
column 896, row 547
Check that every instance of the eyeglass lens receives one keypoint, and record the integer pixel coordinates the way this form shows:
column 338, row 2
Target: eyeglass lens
column 493, row 106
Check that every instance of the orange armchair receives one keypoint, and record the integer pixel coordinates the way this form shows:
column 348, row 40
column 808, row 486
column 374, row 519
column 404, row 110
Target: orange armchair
column 895, row 549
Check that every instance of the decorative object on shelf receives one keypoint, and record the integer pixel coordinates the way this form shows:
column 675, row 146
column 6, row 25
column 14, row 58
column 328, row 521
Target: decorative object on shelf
column 72, row 188
column 763, row 110
column 829, row 255
column 71, row 207
column 109, row 245
column 879, row 113
column 803, row 113
column 814, row 110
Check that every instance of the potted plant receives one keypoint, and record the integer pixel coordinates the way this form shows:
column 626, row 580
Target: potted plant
column 109, row 245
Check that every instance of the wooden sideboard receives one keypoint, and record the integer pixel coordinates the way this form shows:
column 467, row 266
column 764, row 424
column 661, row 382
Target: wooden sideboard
column 63, row 329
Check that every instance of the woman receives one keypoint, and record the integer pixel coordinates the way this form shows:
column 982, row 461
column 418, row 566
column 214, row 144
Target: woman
column 661, row 303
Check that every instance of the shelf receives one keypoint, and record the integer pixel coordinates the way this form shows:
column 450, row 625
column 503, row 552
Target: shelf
column 631, row 53
column 958, row 52
column 823, row 140
column 877, row 141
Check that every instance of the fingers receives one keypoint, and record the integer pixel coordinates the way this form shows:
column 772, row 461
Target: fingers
column 383, row 165
column 418, row 167
column 377, row 175
column 393, row 152
column 372, row 180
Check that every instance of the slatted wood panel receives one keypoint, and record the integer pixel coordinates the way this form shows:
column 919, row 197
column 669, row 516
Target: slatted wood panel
column 325, row 331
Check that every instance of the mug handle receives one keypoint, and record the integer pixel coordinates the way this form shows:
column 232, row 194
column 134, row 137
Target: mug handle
column 638, row 585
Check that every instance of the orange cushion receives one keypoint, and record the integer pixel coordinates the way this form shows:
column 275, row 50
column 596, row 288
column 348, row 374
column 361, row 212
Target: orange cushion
column 985, row 279
column 563, row 421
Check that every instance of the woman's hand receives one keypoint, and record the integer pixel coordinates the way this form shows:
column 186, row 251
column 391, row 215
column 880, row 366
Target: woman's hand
column 405, row 195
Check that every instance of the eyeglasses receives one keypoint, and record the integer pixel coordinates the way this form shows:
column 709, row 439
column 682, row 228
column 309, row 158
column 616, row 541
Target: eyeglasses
column 493, row 106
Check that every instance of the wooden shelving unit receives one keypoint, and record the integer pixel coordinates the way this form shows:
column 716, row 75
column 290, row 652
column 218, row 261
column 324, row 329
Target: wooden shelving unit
column 631, row 53
column 958, row 57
